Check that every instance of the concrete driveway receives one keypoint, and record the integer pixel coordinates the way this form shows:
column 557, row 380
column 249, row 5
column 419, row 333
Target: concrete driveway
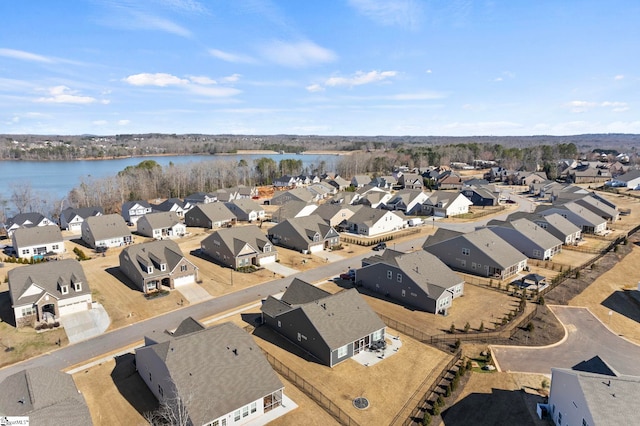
column 84, row 325
column 280, row 269
column 194, row 293
column 585, row 338
column 329, row 256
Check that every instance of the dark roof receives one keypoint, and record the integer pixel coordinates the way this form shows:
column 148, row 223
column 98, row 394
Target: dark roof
column 152, row 253
column 84, row 212
column 188, row 325
column 299, row 292
column 21, row 219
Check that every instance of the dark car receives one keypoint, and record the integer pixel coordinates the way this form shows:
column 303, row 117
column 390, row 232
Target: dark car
column 380, row 246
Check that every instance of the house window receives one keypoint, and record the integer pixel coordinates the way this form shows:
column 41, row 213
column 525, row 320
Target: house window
column 25, row 251
column 404, row 293
column 28, row 311
column 54, row 247
column 390, row 275
column 537, row 253
column 150, row 378
column 342, row 351
column 399, row 278
column 463, row 263
column 236, row 415
column 163, row 266
column 183, row 268
column 473, row 265
column 299, row 337
column 377, row 335
column 279, row 323
column 78, row 286
column 245, row 411
column 466, row 251
column 253, row 407
column 64, row 289
column 149, row 269
column 559, row 418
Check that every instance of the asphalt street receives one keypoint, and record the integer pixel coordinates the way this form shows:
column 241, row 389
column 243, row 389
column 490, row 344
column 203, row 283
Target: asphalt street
column 586, row 338
column 127, row 336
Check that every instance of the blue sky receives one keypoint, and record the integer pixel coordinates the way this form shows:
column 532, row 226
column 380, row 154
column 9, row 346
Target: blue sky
column 330, row 67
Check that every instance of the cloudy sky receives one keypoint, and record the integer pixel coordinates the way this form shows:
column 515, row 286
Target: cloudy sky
column 330, row 67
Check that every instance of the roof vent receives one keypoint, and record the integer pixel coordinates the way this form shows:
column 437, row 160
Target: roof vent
column 21, row 400
column 235, row 352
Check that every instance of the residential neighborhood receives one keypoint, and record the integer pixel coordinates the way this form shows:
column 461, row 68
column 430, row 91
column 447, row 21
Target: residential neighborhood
column 332, row 281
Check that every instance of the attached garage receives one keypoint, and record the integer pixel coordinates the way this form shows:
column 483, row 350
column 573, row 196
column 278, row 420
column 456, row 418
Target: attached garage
column 74, row 307
column 268, row 259
column 187, row 279
column 316, row 248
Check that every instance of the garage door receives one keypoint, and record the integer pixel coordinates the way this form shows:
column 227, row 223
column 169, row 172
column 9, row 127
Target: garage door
column 72, row 307
column 267, row 259
column 184, row 280
column 317, row 248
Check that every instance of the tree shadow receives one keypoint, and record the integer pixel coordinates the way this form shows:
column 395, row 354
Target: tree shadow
column 120, row 276
column 500, row 407
column 131, row 386
column 624, row 303
column 6, row 312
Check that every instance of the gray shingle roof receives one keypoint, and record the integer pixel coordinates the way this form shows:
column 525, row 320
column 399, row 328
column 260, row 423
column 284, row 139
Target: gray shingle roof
column 530, row 230
column 369, row 216
column 152, row 253
column 161, row 219
column 47, row 396
column 27, row 237
column 216, row 212
column 84, row 212
column 107, row 226
column 217, row 370
column 46, row 275
column 21, row 219
column 236, row 238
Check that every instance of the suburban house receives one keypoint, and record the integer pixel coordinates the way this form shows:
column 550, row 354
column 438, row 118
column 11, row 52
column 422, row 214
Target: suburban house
column 588, row 174
column 295, row 194
column 532, row 240
column 285, row 181
column 219, row 375
column 71, row 219
column 321, row 190
column 309, row 234
column 592, row 396
column 599, row 207
column 446, row 204
column 25, row 220
column 375, row 199
column 385, row 182
column 174, row 205
column 134, row 210
column 246, row 209
column 480, row 195
column 630, row 180
column 225, row 195
column 411, row 181
column 239, row 246
column 480, row 252
column 37, row 242
column 358, row 181
column 105, row 231
column 408, row 201
column 157, row 264
column 449, row 180
column 345, row 198
column 293, row 209
column 44, row 292
column 331, row 327
column 200, row 198
column 244, row 191
column 336, row 214
column 210, row 215
column 161, row 225
column 418, row 279
column 372, row 222
column 45, row 396
column 585, row 219
column 339, row 183
column 530, row 178
column 554, row 224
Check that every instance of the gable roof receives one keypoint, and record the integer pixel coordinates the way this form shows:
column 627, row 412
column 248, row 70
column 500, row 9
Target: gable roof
column 291, row 209
column 247, row 205
column 26, row 237
column 45, row 395
column 69, row 213
column 47, row 277
column 163, row 219
column 215, row 212
column 129, row 204
column 369, row 216
column 236, row 238
column 24, row 219
column 168, row 204
column 216, row 370
column 338, row 318
column 300, row 194
column 107, row 226
column 530, row 230
column 303, row 228
column 153, row 253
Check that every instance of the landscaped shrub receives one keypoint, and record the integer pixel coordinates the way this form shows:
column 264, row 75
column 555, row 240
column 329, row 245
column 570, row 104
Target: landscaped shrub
column 481, row 328
column 440, row 401
column 457, row 344
column 435, row 410
column 467, row 327
column 530, row 327
column 80, row 254
column 469, row 365
column 447, row 391
column 541, row 300
column 426, row 420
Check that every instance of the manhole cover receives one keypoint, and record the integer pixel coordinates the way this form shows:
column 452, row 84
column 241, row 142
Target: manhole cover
column 361, row 403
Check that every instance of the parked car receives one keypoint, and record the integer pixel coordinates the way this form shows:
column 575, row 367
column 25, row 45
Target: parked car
column 350, row 275
column 380, row 246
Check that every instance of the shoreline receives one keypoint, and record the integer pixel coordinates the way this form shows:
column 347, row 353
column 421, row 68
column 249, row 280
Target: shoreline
column 221, row 154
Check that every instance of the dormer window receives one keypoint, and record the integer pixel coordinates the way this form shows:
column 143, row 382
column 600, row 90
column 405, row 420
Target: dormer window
column 163, row 266
column 77, row 286
column 316, row 238
column 64, row 289
column 149, row 269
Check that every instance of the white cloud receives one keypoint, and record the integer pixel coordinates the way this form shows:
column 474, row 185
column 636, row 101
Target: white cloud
column 99, row 122
column 584, row 106
column 231, row 78
column 297, row 54
column 215, row 91
column 123, row 122
column 360, row 78
column 497, row 79
column 191, row 6
column 428, row 71
column 231, row 57
column 402, row 13
column 202, row 80
column 25, row 56
column 313, row 88
column 157, row 79
column 619, row 77
column 64, row 95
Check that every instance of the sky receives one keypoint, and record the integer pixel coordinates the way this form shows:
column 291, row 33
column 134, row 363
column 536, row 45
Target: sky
column 329, row 67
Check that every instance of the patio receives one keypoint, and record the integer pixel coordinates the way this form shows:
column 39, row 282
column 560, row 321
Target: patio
column 373, row 355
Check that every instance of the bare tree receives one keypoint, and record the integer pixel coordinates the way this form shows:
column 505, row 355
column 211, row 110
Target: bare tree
column 22, row 196
column 172, row 411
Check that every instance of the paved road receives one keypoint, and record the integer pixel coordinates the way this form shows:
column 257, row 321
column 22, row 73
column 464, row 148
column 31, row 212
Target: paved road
column 127, row 336
column 587, row 337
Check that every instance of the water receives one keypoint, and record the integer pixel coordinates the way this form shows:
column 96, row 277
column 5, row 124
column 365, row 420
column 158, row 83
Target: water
column 57, row 178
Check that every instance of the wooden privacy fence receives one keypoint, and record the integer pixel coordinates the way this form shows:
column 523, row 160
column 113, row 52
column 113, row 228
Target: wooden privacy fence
column 370, row 241
column 314, row 393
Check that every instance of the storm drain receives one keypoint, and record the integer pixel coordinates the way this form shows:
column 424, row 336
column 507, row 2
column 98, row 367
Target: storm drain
column 361, row 403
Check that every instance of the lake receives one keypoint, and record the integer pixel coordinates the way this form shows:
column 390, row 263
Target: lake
column 59, row 177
